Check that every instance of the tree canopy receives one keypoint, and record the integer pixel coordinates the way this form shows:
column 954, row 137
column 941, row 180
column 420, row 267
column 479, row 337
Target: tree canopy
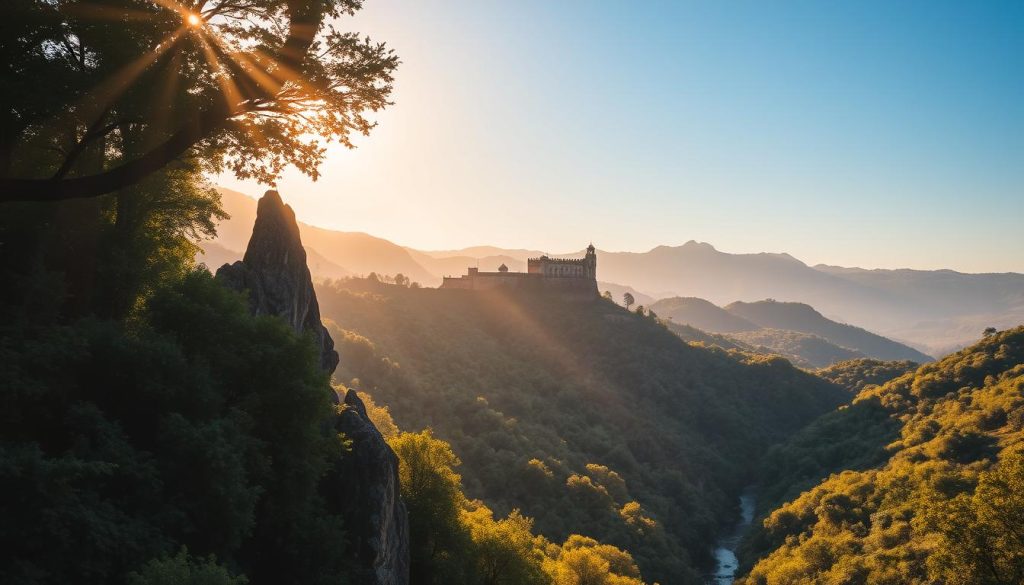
column 100, row 95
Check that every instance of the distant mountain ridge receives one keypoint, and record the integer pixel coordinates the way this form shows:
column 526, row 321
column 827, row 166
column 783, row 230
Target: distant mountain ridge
column 800, row 317
column 806, row 350
column 801, row 349
column 936, row 311
column 702, row 314
column 333, row 253
column 794, row 330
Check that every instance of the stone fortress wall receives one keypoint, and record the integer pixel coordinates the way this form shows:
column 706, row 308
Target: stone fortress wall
column 572, row 276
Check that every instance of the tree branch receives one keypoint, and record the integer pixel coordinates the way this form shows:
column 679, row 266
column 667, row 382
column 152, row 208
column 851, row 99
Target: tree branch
column 305, row 19
column 127, row 174
column 93, row 133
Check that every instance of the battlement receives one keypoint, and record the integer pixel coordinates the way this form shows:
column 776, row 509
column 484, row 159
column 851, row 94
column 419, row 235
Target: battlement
column 558, row 260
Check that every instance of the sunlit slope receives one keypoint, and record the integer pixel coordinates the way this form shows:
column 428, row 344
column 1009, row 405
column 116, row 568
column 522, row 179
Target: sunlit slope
column 938, row 491
column 583, row 415
column 855, row 375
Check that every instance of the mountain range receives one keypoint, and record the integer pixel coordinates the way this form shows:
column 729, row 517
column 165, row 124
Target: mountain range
column 793, row 330
column 802, row 318
column 933, row 310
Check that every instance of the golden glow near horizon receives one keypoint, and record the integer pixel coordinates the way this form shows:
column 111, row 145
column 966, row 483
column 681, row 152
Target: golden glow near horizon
column 538, row 142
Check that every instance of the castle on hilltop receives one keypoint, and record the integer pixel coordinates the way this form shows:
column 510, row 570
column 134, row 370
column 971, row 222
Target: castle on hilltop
column 576, row 277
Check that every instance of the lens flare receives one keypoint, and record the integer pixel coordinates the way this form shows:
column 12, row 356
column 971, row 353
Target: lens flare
column 193, row 19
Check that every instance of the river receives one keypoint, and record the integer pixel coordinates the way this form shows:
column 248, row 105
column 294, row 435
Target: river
column 725, row 549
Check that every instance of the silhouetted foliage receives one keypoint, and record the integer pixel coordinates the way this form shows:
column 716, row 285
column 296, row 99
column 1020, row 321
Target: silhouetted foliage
column 195, row 425
column 99, row 97
column 628, row 300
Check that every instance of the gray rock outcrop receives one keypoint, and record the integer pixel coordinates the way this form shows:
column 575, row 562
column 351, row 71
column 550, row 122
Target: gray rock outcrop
column 364, row 486
column 274, row 272
column 371, row 478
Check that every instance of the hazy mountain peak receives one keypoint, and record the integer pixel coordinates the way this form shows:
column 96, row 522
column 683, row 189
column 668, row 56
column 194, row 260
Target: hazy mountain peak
column 784, row 255
column 789, row 307
column 694, row 244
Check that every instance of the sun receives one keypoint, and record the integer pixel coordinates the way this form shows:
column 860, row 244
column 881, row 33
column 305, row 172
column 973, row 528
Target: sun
column 193, row 19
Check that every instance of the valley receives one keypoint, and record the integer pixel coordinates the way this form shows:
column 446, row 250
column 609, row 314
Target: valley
column 727, row 546
column 580, row 414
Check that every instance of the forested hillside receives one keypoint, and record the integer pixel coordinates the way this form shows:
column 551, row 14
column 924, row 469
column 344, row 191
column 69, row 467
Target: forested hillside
column 855, row 375
column 701, row 314
column 804, row 319
column 792, row 330
column 586, row 417
column 196, row 425
column 926, row 485
column 803, row 349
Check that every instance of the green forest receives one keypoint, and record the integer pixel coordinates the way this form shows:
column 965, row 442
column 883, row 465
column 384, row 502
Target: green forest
column 581, row 415
column 457, row 540
column 922, row 480
column 188, row 438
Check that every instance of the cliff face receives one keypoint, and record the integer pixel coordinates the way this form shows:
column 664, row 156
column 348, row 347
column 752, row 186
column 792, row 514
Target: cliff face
column 369, row 476
column 274, row 272
column 364, row 487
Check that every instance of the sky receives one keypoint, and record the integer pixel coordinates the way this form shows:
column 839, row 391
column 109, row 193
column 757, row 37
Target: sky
column 872, row 134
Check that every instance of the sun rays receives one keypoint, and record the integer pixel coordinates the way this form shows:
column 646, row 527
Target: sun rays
column 250, row 87
column 232, row 67
column 242, row 75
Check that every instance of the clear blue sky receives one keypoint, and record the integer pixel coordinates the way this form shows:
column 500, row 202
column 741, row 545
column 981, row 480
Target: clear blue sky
column 877, row 134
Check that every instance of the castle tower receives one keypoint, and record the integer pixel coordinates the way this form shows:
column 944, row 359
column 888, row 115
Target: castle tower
column 590, row 261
